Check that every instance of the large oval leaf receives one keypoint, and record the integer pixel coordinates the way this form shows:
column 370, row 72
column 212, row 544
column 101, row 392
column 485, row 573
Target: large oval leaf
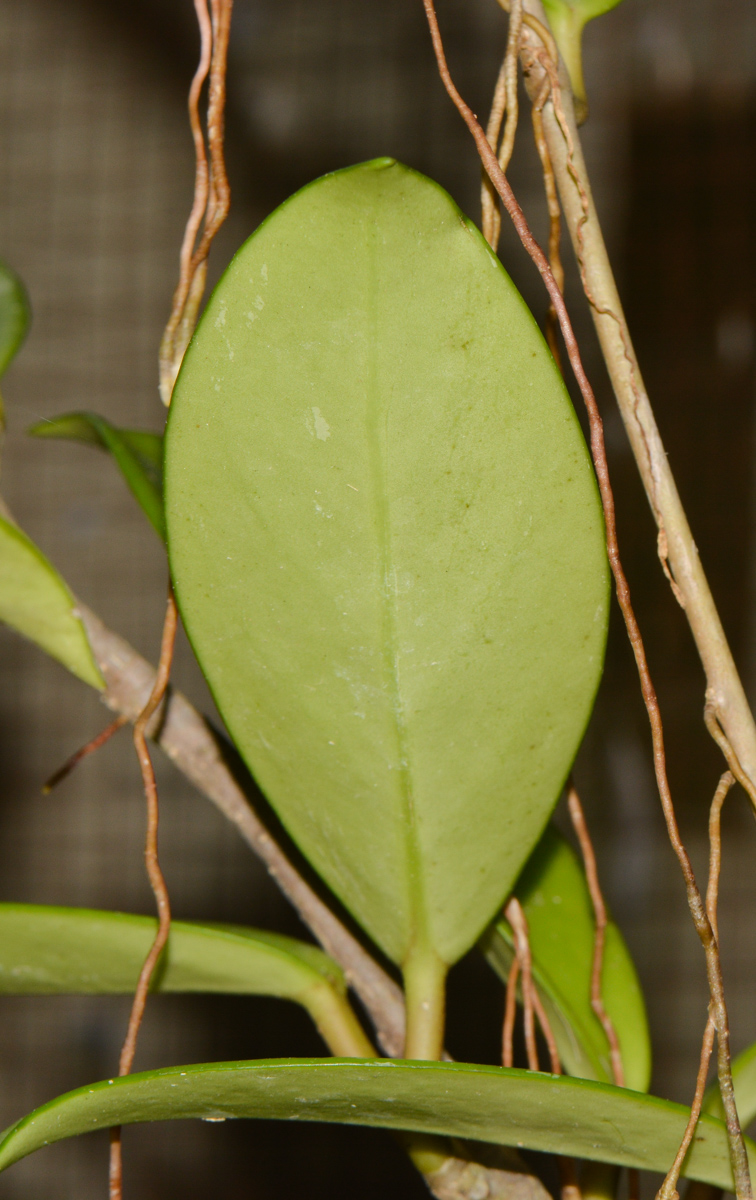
column 488, row 1104
column 50, row 951
column 388, row 549
column 137, row 453
column 35, row 601
column 554, row 895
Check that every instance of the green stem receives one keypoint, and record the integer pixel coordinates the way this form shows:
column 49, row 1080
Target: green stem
column 599, row 1181
column 425, row 995
column 567, row 27
column 337, row 1023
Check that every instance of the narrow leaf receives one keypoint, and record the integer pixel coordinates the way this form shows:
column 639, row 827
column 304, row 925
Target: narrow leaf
column 555, row 898
column 14, row 315
column 47, row 950
column 35, row 601
column 137, row 453
column 744, row 1081
column 388, row 549
column 550, row 1113
column 51, row 950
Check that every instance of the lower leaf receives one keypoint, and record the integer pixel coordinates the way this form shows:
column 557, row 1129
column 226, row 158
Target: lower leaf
column 549, row 1113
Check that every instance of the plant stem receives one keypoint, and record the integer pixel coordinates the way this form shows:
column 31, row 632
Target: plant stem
column 425, row 998
column 677, row 550
column 337, row 1023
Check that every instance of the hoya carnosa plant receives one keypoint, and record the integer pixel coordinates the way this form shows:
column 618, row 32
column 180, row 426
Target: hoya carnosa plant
column 388, row 551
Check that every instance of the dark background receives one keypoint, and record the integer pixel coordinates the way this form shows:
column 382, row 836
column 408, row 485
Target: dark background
column 95, row 184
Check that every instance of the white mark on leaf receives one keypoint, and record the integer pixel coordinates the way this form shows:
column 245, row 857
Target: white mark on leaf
column 322, row 428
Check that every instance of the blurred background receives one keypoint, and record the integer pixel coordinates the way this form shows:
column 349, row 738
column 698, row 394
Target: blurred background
column 96, row 175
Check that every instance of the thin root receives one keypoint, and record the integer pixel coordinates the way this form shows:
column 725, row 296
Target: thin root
column 157, row 882
column 95, row 744
column 577, row 817
column 211, row 191
column 668, row 1190
column 516, row 917
column 510, row 1012
column 504, row 101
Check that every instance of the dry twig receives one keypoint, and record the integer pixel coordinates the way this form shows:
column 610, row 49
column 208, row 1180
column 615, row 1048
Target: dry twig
column 157, row 882
column 577, row 816
column 738, row 1154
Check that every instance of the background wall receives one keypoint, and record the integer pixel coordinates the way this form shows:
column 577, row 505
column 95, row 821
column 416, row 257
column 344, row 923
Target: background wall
column 95, row 183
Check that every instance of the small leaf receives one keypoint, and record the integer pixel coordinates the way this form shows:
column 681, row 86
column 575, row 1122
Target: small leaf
column 388, row 549
column 14, row 315
column 567, row 19
column 744, row 1081
column 137, row 453
column 555, row 898
column 549, row 1113
column 51, row 951
column 35, row 601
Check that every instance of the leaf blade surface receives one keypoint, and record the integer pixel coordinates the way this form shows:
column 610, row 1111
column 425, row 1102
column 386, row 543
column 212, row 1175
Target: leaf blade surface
column 554, row 1114
column 388, row 549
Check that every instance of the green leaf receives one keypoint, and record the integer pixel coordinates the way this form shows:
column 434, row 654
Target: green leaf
column 51, row 950
column 47, row 950
column 388, row 550
column 744, row 1080
column 137, row 453
column 14, row 315
column 567, row 19
column 555, row 899
column 490, row 1104
column 35, row 601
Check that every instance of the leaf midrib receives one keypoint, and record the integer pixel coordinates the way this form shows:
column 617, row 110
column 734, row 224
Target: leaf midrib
column 377, row 434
